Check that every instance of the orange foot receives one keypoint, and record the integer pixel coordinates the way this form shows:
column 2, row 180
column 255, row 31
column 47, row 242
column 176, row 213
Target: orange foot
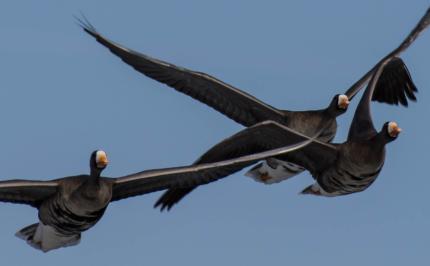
column 265, row 177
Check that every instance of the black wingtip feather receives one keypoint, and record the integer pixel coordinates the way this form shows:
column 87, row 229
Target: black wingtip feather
column 83, row 22
column 163, row 202
column 395, row 85
column 171, row 197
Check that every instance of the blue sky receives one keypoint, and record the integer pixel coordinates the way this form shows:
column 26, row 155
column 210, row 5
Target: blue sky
column 62, row 95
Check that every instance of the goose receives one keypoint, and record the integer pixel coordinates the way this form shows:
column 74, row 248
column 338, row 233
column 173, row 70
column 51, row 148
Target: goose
column 394, row 86
column 71, row 205
column 338, row 169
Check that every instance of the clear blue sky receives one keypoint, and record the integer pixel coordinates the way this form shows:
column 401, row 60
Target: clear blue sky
column 62, row 95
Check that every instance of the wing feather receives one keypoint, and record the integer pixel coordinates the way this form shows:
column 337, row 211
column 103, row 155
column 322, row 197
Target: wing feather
column 403, row 85
column 260, row 137
column 185, row 177
column 232, row 102
column 26, row 191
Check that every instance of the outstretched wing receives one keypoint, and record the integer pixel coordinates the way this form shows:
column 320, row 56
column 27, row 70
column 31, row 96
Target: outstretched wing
column 155, row 180
column 232, row 102
column 395, row 80
column 261, row 137
column 26, row 191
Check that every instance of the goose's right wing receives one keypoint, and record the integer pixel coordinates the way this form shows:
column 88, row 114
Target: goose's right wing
column 26, row 191
column 232, row 102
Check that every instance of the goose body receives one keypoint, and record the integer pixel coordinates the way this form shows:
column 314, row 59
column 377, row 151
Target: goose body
column 338, row 169
column 357, row 166
column 76, row 207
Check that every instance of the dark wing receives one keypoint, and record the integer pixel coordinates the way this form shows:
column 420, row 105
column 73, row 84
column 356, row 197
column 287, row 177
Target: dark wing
column 260, row 137
column 393, row 91
column 26, row 191
column 232, row 102
column 155, row 180
column 395, row 84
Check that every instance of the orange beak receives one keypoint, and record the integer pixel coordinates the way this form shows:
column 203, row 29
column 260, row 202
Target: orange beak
column 102, row 161
column 343, row 103
column 394, row 130
column 397, row 131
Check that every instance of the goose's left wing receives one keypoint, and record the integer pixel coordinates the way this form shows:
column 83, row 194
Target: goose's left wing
column 395, row 83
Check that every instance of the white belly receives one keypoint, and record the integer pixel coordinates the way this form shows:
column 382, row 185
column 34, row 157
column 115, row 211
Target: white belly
column 274, row 171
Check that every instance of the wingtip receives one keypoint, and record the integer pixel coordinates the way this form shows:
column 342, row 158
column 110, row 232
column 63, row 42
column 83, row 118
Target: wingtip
column 395, row 86
column 425, row 20
column 427, row 15
column 156, row 205
column 165, row 202
column 162, row 206
column 83, row 22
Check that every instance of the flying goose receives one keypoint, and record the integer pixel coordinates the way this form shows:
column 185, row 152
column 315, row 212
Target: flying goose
column 338, row 169
column 70, row 205
column 394, row 87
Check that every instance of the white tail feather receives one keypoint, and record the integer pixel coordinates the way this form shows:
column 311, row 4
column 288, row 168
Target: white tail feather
column 279, row 172
column 46, row 238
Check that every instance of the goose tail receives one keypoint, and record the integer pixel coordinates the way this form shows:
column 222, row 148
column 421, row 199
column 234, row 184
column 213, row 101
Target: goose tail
column 46, row 238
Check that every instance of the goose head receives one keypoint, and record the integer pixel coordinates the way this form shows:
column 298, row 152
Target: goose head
column 98, row 162
column 390, row 131
column 339, row 104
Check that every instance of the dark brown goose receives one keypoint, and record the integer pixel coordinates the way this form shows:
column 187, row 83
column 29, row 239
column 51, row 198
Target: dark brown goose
column 394, row 87
column 70, row 205
column 338, row 169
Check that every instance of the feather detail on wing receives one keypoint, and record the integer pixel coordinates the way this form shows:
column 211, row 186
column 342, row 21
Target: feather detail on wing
column 154, row 180
column 232, row 102
column 402, row 83
column 26, row 191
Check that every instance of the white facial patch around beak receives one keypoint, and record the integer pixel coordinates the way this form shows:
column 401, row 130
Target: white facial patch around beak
column 342, row 101
column 101, row 159
column 393, row 129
